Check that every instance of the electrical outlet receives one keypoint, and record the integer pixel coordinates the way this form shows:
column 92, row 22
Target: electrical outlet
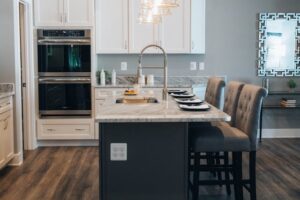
column 124, row 66
column 201, row 66
column 118, row 151
column 193, row 66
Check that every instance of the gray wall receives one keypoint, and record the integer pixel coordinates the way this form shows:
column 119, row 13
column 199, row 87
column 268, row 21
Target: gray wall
column 7, row 73
column 231, row 49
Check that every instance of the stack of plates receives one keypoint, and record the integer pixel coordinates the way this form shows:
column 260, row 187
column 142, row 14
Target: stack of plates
column 201, row 107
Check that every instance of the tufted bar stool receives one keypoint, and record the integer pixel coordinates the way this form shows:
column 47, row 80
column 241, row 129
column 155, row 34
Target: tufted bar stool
column 239, row 138
column 213, row 92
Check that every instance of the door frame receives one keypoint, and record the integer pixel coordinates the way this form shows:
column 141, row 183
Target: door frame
column 29, row 134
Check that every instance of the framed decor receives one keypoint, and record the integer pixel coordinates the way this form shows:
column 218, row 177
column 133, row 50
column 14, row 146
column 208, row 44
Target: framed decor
column 279, row 44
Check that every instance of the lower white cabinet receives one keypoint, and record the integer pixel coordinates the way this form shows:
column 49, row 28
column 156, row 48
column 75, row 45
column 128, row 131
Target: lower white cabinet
column 65, row 129
column 6, row 131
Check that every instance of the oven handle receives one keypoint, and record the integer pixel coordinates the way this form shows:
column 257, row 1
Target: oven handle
column 65, row 80
column 63, row 41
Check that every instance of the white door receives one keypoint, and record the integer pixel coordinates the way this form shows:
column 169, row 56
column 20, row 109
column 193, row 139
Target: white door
column 175, row 29
column 112, row 26
column 79, row 12
column 140, row 35
column 48, row 12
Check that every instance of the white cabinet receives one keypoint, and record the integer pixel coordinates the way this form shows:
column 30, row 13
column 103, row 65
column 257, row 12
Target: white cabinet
column 49, row 12
column 6, row 131
column 55, row 13
column 119, row 31
column 65, row 129
column 198, row 26
column 79, row 12
column 175, row 36
column 140, row 35
column 112, row 26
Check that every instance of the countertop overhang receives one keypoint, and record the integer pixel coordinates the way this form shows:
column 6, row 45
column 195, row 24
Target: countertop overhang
column 164, row 111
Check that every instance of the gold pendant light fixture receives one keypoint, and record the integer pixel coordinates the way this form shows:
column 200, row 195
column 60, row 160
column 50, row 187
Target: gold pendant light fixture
column 152, row 11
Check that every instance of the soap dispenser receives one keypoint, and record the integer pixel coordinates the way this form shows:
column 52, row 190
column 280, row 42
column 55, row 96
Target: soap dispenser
column 102, row 75
column 113, row 77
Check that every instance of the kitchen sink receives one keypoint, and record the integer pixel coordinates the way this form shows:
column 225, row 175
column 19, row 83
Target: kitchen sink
column 139, row 100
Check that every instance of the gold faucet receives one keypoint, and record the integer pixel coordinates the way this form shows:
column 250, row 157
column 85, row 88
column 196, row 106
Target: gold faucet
column 165, row 68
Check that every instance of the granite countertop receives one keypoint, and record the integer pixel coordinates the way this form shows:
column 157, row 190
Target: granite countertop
column 6, row 94
column 6, row 90
column 164, row 111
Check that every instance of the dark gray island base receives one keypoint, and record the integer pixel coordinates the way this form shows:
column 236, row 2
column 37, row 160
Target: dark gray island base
column 156, row 165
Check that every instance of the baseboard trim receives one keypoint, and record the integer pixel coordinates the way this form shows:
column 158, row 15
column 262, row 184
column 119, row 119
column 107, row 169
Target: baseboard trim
column 280, row 133
column 67, row 143
column 17, row 160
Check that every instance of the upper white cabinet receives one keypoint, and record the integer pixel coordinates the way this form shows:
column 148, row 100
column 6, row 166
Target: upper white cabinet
column 49, row 12
column 175, row 36
column 198, row 26
column 112, row 26
column 52, row 13
column 119, row 31
column 79, row 12
column 140, row 35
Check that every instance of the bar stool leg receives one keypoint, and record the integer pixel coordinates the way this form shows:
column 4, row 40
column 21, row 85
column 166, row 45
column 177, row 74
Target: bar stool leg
column 252, row 174
column 196, row 176
column 227, row 175
column 237, row 171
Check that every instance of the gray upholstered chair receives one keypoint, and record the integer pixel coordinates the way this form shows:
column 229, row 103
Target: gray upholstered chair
column 240, row 138
column 214, row 89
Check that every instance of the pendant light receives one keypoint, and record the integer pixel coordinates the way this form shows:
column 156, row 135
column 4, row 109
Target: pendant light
column 159, row 3
column 151, row 11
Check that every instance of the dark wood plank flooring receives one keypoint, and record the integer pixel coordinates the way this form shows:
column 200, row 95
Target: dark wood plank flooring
column 71, row 173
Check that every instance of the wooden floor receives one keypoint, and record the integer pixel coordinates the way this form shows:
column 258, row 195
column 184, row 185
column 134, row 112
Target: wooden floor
column 71, row 173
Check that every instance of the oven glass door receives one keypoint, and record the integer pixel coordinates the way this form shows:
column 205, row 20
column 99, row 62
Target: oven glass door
column 64, row 60
column 65, row 98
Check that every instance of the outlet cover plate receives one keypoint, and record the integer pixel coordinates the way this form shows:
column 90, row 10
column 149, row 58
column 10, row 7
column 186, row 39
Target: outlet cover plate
column 118, row 151
column 201, row 66
column 193, row 66
column 123, row 66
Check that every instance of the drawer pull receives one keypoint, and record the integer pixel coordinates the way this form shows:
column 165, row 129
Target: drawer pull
column 50, row 129
column 6, row 124
column 79, row 129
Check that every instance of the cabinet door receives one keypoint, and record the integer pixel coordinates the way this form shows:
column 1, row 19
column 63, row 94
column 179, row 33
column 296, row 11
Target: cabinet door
column 78, row 12
column 198, row 27
column 112, row 26
column 175, row 29
column 2, row 147
column 140, row 35
column 9, row 137
column 48, row 12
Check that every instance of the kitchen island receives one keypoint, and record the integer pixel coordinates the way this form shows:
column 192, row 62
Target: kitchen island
column 144, row 147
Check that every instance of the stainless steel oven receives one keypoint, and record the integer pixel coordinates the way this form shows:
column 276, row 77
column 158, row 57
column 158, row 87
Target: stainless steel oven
column 65, row 96
column 64, row 53
column 64, row 67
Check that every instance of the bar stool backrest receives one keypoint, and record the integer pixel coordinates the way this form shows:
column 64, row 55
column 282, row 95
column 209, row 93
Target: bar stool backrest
column 248, row 111
column 233, row 92
column 214, row 90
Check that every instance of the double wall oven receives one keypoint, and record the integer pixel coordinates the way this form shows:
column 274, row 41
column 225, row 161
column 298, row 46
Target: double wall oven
column 64, row 69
